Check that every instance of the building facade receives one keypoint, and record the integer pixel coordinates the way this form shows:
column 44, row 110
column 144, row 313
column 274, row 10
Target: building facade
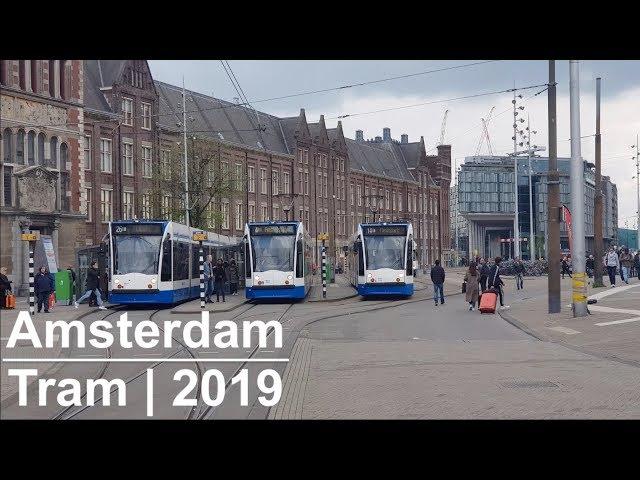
column 486, row 201
column 41, row 123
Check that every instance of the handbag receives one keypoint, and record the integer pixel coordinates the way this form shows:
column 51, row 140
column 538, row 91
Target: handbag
column 464, row 286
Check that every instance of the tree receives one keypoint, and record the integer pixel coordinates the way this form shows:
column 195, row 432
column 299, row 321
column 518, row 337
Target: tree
column 211, row 182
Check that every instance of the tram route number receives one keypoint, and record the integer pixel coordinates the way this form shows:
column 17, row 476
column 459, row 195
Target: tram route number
column 212, row 387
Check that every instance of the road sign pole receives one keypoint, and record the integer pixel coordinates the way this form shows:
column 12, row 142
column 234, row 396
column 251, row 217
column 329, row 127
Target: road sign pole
column 202, row 291
column 32, row 303
column 324, row 270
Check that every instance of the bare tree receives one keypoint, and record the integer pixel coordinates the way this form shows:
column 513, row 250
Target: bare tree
column 211, row 183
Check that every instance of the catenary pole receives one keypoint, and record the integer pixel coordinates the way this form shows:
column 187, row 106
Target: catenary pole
column 184, row 137
column 553, row 206
column 531, row 232
column 638, row 188
column 579, row 284
column 597, row 210
column 516, row 224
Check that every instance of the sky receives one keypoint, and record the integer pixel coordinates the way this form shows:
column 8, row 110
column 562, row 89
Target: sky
column 266, row 79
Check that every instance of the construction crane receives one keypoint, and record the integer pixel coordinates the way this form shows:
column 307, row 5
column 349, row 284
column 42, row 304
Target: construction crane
column 444, row 126
column 485, row 134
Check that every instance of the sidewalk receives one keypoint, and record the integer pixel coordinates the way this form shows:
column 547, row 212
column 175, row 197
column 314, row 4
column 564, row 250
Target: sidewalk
column 23, row 348
column 340, row 290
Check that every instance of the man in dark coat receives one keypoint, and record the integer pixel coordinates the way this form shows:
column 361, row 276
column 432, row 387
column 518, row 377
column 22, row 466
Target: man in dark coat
column 43, row 286
column 220, row 277
column 437, row 278
column 484, row 274
column 93, row 285
column 5, row 286
column 496, row 282
column 233, row 278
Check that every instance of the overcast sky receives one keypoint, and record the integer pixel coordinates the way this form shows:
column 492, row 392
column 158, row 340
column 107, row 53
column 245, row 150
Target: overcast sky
column 620, row 118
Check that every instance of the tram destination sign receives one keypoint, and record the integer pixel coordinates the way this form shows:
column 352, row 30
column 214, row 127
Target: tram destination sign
column 273, row 229
column 385, row 230
column 137, row 229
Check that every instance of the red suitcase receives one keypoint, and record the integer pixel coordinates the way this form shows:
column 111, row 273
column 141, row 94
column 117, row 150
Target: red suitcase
column 488, row 302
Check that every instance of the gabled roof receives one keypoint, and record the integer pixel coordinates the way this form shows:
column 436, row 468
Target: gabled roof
column 376, row 159
column 100, row 74
column 220, row 119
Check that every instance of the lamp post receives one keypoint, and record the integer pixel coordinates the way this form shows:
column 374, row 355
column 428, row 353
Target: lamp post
column 637, row 177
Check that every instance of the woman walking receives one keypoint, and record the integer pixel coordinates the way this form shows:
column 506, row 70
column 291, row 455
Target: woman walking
column 473, row 286
column 233, row 278
column 93, row 286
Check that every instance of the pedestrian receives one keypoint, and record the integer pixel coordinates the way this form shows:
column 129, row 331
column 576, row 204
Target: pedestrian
column 44, row 285
column 220, row 277
column 437, row 278
column 626, row 262
column 5, row 286
column 93, row 285
column 612, row 263
column 208, row 279
column 233, row 277
column 519, row 271
column 496, row 282
column 565, row 267
column 484, row 274
column 473, row 286
column 590, row 266
column 636, row 261
column 72, row 275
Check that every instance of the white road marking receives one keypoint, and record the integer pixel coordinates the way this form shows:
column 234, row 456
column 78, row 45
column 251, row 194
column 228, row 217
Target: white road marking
column 568, row 331
column 615, row 322
column 612, row 291
column 600, row 308
column 138, row 360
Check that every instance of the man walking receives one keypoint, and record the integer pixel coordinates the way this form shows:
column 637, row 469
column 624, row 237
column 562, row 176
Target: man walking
column 220, row 277
column 484, row 274
column 44, row 285
column 496, row 282
column 93, row 282
column 519, row 270
column 208, row 279
column 636, row 260
column 437, row 278
column 233, row 277
column 626, row 262
column 590, row 266
column 612, row 263
column 565, row 267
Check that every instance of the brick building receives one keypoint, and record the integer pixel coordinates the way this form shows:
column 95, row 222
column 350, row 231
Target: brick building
column 41, row 126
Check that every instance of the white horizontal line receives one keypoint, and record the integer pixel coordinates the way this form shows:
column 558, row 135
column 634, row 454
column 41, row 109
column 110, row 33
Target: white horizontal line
column 615, row 322
column 133, row 360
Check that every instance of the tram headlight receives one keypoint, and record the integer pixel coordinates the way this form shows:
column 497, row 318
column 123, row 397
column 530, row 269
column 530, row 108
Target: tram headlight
column 257, row 277
column 289, row 277
column 154, row 280
column 116, row 281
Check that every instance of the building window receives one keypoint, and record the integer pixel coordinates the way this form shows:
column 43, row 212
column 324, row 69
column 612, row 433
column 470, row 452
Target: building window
column 127, row 206
column 264, row 215
column 53, row 152
column 306, row 183
column 87, row 152
column 252, row 213
column 165, row 207
column 146, row 116
column 239, row 177
column 366, row 196
column 146, row 205
column 146, row 162
column 64, row 156
column 306, row 156
column 7, row 145
column 31, row 148
column 127, row 111
column 400, row 202
column 225, row 215
column 263, row 180
column 324, row 186
column 275, row 210
column 299, row 155
column 20, row 147
column 105, row 155
column 359, row 191
column 88, row 210
column 106, row 205
column 165, row 164
column 285, row 182
column 8, row 184
column 239, row 219
column 127, row 158
column 275, row 181
column 252, row 179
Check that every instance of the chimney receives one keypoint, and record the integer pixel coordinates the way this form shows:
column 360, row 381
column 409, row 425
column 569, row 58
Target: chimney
column 386, row 134
column 378, row 139
column 404, row 138
column 359, row 136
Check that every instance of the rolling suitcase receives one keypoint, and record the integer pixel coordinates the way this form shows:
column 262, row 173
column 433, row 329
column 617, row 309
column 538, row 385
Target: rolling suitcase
column 10, row 301
column 488, row 301
column 52, row 300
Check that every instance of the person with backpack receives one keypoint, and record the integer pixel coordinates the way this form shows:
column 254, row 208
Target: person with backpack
column 93, row 286
column 472, row 279
column 484, row 274
column 43, row 286
column 496, row 282
column 626, row 262
column 519, row 271
column 220, row 277
column 437, row 278
column 565, row 267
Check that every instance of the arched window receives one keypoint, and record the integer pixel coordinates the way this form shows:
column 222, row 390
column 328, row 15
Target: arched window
column 31, row 148
column 3, row 71
column 64, row 156
column 53, row 154
column 63, row 77
column 35, row 76
column 22, row 74
column 40, row 154
column 52, row 78
column 20, row 147
column 7, row 145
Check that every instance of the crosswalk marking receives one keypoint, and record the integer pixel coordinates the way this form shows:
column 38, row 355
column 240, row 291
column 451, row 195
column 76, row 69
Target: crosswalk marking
column 616, row 322
column 568, row 331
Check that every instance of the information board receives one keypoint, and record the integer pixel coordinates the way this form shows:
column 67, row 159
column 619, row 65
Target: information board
column 137, row 229
column 385, row 230
column 272, row 229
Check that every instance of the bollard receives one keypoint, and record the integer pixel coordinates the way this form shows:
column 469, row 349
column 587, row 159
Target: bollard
column 32, row 302
column 324, row 271
column 202, row 292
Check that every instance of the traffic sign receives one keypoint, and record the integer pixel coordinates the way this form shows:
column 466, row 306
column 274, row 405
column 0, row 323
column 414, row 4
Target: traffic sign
column 30, row 237
column 199, row 236
column 323, row 236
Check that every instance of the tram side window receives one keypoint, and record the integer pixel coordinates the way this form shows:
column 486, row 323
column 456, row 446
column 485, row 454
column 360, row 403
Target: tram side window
column 165, row 271
column 180, row 261
column 247, row 265
column 409, row 262
column 360, row 258
column 300, row 259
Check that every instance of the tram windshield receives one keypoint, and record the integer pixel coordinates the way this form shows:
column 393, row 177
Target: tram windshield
column 385, row 251
column 273, row 252
column 136, row 254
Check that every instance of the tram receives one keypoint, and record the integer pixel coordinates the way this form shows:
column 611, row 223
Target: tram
column 156, row 262
column 278, row 257
column 381, row 259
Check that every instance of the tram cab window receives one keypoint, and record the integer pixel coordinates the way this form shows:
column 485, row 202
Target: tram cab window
column 299, row 259
column 358, row 247
column 409, row 262
column 247, row 257
column 195, row 260
column 165, row 269
column 180, row 261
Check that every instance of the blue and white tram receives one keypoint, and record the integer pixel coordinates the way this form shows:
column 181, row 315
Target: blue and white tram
column 155, row 262
column 278, row 258
column 381, row 259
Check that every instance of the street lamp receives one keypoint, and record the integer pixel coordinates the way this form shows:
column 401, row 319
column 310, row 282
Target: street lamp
column 373, row 206
column 637, row 177
column 285, row 207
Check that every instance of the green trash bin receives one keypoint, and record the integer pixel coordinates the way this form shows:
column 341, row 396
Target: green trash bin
column 64, row 291
column 330, row 276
